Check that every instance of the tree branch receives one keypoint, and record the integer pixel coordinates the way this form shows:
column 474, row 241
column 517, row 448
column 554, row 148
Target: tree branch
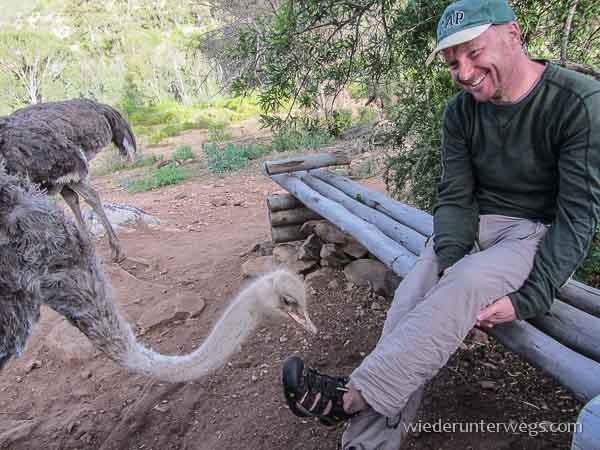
column 567, row 31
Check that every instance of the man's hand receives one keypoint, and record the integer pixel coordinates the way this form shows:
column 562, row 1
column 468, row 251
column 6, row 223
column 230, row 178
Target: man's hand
column 501, row 311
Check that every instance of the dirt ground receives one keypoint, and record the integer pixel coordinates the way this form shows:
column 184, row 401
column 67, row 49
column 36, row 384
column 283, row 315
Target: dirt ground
column 62, row 394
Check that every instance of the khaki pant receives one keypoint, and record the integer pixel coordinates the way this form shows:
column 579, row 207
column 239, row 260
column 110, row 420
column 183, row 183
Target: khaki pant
column 427, row 321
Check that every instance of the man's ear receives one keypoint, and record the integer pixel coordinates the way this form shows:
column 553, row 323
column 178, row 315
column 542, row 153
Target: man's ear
column 513, row 33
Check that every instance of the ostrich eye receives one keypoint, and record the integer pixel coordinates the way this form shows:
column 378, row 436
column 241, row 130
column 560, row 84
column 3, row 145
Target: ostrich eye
column 286, row 301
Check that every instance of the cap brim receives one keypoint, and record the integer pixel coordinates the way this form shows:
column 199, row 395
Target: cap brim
column 457, row 38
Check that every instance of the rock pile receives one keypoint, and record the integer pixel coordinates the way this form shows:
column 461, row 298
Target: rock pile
column 324, row 249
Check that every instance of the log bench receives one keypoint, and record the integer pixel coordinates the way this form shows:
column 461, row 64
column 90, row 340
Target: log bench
column 564, row 343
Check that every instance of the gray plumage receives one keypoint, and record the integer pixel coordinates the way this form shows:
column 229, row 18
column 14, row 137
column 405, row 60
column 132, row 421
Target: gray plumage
column 52, row 144
column 46, row 259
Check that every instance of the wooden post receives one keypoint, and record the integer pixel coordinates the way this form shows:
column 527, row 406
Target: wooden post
column 292, row 217
column 286, row 234
column 281, row 202
column 305, row 162
column 286, row 216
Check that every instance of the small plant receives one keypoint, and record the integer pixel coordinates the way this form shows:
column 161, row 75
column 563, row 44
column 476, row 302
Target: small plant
column 366, row 168
column 114, row 162
column 218, row 133
column 232, row 157
column 589, row 272
column 366, row 116
column 339, row 121
column 156, row 179
column 287, row 139
column 183, row 153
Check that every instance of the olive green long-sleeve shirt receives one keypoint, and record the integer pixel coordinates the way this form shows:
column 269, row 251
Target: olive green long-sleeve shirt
column 538, row 159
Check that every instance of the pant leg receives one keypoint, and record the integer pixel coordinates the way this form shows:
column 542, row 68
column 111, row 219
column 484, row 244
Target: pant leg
column 411, row 353
column 369, row 429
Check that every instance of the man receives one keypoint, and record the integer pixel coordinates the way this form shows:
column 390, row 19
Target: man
column 518, row 205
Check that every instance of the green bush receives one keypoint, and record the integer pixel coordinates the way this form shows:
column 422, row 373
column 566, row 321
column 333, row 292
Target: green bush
column 232, row 157
column 114, row 162
column 218, row 133
column 183, row 153
column 339, row 121
column 589, row 272
column 156, row 179
column 366, row 116
column 287, row 139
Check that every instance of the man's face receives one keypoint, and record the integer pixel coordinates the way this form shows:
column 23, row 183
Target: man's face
column 484, row 65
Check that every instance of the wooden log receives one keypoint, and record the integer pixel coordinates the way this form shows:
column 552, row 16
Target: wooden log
column 288, row 233
column 577, row 373
column 407, row 215
column 572, row 327
column 305, row 162
column 292, row 217
column 405, row 236
column 281, row 202
column 587, row 431
column 392, row 254
column 581, row 296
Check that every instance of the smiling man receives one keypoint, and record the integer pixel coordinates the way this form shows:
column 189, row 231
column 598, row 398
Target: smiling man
column 518, row 206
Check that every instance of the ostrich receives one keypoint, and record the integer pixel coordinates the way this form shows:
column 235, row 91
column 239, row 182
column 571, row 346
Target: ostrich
column 46, row 259
column 52, row 144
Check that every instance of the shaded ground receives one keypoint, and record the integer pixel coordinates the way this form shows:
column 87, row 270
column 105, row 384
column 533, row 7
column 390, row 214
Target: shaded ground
column 62, row 394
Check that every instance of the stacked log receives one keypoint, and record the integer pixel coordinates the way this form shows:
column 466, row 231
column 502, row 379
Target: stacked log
column 286, row 216
column 563, row 343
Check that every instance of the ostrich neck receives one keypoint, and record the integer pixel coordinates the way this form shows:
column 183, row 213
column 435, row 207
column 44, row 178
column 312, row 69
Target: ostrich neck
column 224, row 340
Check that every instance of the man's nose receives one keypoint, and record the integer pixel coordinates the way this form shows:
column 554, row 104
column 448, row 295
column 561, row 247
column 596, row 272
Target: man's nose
column 464, row 72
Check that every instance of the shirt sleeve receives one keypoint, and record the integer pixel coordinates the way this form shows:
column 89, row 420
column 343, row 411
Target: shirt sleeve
column 455, row 217
column 564, row 246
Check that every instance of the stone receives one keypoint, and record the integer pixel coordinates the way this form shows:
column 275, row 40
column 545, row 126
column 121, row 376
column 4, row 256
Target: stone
column 181, row 307
column 333, row 256
column 355, row 249
column 373, row 273
column 120, row 216
column 258, row 266
column 302, row 267
column 320, row 278
column 261, row 249
column 285, row 253
column 310, row 248
column 326, row 231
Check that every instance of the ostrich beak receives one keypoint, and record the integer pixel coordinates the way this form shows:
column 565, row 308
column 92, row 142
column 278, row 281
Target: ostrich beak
column 304, row 321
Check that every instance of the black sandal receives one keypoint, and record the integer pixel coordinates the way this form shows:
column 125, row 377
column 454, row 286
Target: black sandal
column 302, row 385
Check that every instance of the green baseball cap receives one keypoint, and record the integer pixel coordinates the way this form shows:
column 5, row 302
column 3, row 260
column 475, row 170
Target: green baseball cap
column 464, row 20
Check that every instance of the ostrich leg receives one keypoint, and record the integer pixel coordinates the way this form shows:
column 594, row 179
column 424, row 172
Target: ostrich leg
column 93, row 199
column 72, row 200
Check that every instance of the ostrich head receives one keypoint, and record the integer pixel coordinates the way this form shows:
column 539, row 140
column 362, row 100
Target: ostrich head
column 282, row 295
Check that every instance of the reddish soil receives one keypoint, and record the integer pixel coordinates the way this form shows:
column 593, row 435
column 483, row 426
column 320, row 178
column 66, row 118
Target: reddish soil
column 61, row 394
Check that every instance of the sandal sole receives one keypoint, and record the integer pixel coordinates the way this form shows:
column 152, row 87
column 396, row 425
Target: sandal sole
column 291, row 376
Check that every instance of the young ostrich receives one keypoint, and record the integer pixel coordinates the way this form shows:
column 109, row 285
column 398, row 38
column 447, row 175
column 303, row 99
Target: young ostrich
column 46, row 259
column 52, row 144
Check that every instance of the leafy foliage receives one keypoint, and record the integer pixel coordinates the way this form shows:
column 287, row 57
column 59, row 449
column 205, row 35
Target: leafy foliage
column 232, row 157
column 183, row 153
column 156, row 179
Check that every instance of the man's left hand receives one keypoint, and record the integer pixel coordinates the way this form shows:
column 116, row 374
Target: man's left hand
column 501, row 311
